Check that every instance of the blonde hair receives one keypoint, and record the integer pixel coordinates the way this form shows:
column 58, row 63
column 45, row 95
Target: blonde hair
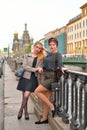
column 42, row 52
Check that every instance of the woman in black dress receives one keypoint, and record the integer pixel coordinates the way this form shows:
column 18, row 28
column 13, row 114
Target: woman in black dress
column 28, row 83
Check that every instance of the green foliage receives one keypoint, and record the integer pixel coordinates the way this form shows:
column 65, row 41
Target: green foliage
column 28, row 49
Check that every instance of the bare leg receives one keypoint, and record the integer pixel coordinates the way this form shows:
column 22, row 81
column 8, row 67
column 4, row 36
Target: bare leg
column 44, row 94
column 39, row 91
column 45, row 107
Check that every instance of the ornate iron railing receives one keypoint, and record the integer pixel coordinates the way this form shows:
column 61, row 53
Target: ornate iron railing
column 70, row 99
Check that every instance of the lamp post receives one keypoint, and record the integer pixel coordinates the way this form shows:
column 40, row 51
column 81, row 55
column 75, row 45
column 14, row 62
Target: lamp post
column 0, row 52
column 8, row 51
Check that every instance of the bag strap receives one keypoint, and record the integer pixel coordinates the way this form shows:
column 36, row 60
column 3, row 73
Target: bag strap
column 59, row 72
column 55, row 60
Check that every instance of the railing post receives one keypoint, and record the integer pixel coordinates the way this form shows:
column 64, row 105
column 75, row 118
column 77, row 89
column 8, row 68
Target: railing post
column 83, row 105
column 80, row 105
column 60, row 99
column 74, row 102
column 57, row 94
column 65, row 115
column 56, row 99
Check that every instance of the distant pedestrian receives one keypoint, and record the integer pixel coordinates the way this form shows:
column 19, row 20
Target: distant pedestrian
column 48, row 76
column 28, row 82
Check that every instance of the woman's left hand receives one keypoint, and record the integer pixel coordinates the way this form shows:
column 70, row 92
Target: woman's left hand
column 63, row 69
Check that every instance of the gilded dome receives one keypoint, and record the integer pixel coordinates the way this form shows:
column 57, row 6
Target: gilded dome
column 15, row 33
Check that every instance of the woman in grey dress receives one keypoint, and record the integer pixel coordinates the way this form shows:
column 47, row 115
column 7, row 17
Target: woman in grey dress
column 28, row 83
column 48, row 76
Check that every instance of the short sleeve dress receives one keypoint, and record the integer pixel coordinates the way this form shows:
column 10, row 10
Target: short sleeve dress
column 28, row 84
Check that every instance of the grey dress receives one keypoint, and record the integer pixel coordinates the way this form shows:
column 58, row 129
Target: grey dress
column 50, row 64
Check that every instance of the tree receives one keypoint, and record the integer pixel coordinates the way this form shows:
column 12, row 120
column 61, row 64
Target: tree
column 28, row 49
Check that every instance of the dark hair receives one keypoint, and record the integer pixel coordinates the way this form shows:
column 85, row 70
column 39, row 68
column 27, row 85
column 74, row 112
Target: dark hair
column 52, row 39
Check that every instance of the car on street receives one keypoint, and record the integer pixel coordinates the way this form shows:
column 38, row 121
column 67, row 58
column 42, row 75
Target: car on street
column 1, row 66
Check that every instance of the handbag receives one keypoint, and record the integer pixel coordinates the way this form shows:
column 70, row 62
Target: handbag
column 19, row 72
column 55, row 86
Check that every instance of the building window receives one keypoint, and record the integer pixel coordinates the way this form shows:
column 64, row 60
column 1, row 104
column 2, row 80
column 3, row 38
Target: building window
column 86, row 22
column 86, row 11
column 72, row 28
column 72, row 37
column 86, row 32
column 77, row 35
column 83, row 33
column 80, row 34
column 75, row 27
column 83, row 23
column 86, row 42
column 80, row 45
column 80, row 24
column 83, row 43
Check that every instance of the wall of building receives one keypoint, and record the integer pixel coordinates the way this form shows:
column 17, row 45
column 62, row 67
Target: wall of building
column 61, row 43
column 77, row 33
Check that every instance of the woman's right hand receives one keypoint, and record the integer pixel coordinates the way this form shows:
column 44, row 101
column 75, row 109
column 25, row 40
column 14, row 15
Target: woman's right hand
column 45, row 49
column 40, row 70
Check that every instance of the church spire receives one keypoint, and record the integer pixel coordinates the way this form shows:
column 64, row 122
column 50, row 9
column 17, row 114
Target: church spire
column 26, row 37
column 25, row 27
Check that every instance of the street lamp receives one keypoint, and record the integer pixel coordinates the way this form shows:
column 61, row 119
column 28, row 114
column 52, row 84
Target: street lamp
column 8, row 51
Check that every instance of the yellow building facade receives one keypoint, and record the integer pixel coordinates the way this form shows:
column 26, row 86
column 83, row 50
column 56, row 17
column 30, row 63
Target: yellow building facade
column 77, row 33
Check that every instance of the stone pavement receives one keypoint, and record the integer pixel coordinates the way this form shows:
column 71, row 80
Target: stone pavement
column 1, row 103
column 12, row 100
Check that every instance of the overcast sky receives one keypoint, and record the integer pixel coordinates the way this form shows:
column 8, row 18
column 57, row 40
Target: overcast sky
column 41, row 17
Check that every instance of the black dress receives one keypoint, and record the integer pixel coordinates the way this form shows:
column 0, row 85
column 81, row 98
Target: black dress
column 28, row 84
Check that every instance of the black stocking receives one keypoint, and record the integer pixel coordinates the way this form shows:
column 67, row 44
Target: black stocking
column 24, row 104
column 25, row 108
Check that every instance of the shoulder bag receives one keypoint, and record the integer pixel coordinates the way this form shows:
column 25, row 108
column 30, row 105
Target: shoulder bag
column 19, row 72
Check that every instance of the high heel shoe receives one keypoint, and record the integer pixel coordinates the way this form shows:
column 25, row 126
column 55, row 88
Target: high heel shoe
column 26, row 116
column 42, row 122
column 53, row 113
column 20, row 115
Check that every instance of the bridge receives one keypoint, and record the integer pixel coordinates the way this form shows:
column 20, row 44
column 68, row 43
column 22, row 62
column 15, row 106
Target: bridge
column 75, row 60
